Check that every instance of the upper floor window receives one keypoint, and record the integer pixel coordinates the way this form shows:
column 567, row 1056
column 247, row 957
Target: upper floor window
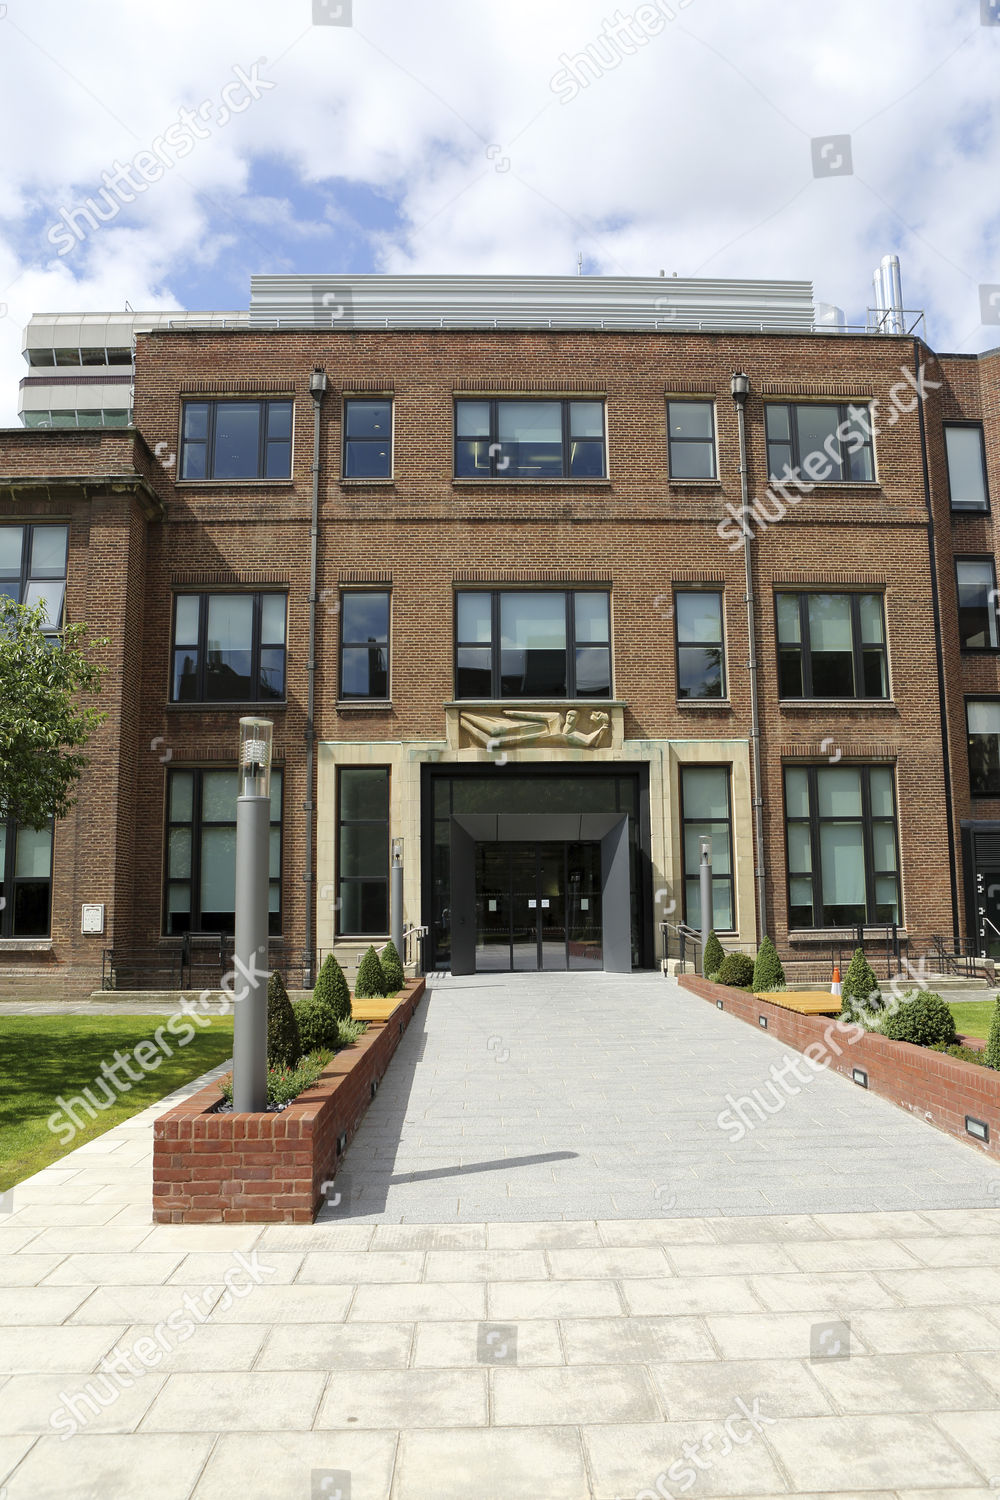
column 236, row 440
column 831, row 646
column 966, row 450
column 201, row 852
column 983, row 723
column 976, row 579
column 827, row 444
column 533, row 644
column 501, row 439
column 25, row 879
column 364, row 644
column 367, row 439
column 701, row 657
column 228, row 648
column 108, row 416
column 33, row 569
column 843, row 865
column 691, row 426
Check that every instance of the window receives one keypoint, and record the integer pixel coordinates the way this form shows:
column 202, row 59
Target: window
column 364, row 645
column 843, row 862
column 201, row 852
column 983, row 721
column 691, row 426
column 33, row 569
column 363, row 851
column 25, row 880
column 236, row 440
column 367, row 439
column 529, row 440
column 701, row 667
column 976, row 579
column 705, row 810
column 229, row 648
column 966, row 452
column 108, row 416
column 828, row 444
column 831, row 646
column 529, row 644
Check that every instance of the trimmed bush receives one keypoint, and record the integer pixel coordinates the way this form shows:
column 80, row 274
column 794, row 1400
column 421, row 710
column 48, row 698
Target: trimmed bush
column 767, row 971
column 370, row 983
column 922, row 1019
column 319, row 1028
column 991, row 1056
column 283, row 1043
column 736, row 969
column 332, row 989
column 714, row 954
column 860, row 987
column 965, row 1054
column 392, row 968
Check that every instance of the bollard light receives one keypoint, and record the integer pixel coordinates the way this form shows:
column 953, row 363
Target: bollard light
column 397, row 851
column 250, row 957
column 256, row 737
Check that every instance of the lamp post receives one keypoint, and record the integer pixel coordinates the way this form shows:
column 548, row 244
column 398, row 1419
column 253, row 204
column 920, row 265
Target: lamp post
column 705, row 890
column 396, row 898
column 253, row 838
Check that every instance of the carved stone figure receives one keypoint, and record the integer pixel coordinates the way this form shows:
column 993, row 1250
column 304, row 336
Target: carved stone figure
column 524, row 726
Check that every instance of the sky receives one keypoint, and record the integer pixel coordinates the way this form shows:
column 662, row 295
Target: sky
column 703, row 137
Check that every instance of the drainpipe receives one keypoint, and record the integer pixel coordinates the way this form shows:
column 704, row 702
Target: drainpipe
column 740, row 388
column 317, row 389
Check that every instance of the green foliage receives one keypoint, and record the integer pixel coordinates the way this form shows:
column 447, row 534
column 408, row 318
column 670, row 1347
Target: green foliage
column 351, row 1030
column 283, row 1045
column 922, row 1019
column 966, row 1054
column 318, row 1026
column 42, row 726
column 284, row 1084
column 860, row 987
column 370, row 983
column 714, row 954
column 392, row 968
column 736, row 969
column 332, row 989
column 767, row 971
column 991, row 1056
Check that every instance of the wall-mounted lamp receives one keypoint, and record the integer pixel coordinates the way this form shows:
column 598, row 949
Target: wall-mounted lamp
column 740, row 387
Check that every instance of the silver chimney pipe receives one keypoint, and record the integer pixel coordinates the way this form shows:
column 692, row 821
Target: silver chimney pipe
column 893, row 288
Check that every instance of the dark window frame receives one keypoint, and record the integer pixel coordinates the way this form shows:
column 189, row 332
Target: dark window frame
column 686, row 874
column 980, row 557
column 720, row 644
column 257, row 645
column 372, row 823
column 857, row 647
column 960, row 509
column 496, row 650
column 797, row 456
column 344, row 644
column 213, row 403
column 498, row 474
column 981, row 796
column 814, row 822
column 695, row 442
column 388, row 401
column 196, row 825
column 25, row 576
column 9, row 883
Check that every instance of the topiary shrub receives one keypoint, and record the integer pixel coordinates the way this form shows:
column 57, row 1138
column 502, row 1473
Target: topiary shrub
column 284, row 1047
column 392, row 968
column 922, row 1019
column 370, row 983
column 736, row 969
column 860, row 987
column 319, row 1029
column 713, row 955
column 991, row 1055
column 767, row 971
column 332, row 989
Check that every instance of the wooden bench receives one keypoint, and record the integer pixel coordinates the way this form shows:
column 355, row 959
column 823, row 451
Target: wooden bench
column 806, row 1002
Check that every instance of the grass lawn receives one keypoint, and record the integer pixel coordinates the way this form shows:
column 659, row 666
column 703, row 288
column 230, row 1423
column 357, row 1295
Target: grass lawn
column 44, row 1057
column 972, row 1017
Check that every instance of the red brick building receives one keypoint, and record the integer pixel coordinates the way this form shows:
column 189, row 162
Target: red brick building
column 531, row 644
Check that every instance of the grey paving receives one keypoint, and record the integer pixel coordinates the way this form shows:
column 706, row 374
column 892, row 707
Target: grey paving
column 597, row 1096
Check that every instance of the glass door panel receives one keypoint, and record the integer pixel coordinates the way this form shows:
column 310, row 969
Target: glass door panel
column 552, row 905
column 524, row 906
column 492, row 907
column 583, row 906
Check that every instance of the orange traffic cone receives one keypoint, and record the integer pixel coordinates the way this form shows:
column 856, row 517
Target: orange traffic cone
column 835, row 984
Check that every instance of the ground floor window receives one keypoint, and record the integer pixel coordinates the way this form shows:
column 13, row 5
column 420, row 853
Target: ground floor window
column 706, row 810
column 363, row 851
column 201, row 852
column 25, row 880
column 843, row 854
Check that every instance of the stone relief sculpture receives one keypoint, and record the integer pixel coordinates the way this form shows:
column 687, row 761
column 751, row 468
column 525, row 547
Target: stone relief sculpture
column 534, row 727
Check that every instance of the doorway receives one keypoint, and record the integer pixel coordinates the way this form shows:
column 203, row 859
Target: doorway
column 538, row 907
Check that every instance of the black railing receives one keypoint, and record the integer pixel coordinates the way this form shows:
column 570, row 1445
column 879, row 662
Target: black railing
column 414, row 939
column 885, row 948
column 684, row 940
column 200, row 961
column 961, row 958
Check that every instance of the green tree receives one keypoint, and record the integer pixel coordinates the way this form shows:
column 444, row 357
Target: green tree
column 42, row 726
column 370, row 983
column 332, row 989
column 860, row 987
column 392, row 968
column 714, row 954
column 767, row 971
column 991, row 1055
column 283, row 1045
column 319, row 1029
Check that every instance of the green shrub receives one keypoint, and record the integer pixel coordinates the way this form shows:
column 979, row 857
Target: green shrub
column 991, row 1056
column 332, row 989
column 860, row 987
column 370, row 983
column 392, row 968
column 284, row 1084
column 713, row 955
column 318, row 1026
column 736, row 969
column 966, row 1054
column 767, row 971
column 351, row 1030
column 922, row 1019
column 283, row 1043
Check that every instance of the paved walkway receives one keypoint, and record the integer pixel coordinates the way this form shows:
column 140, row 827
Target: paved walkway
column 809, row 1353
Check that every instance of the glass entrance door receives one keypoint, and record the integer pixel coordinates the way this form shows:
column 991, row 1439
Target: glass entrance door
column 538, row 906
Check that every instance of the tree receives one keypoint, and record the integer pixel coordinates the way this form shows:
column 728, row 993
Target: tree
column 767, row 971
column 283, row 1045
column 370, row 982
column 714, row 954
column 332, row 991
column 42, row 726
column 392, row 968
column 992, row 1054
column 860, row 987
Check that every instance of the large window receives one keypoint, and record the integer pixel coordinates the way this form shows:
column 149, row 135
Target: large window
column 364, row 644
column 976, row 579
column 201, row 852
column 533, row 644
column 499, row 439
column 363, row 851
column 983, row 721
column 831, row 646
column 25, row 880
column 706, row 810
column 701, row 663
column 229, row 648
column 691, row 427
column 33, row 569
column 107, row 416
column 843, row 861
column 367, row 439
column 828, row 444
column 236, row 440
column 966, row 450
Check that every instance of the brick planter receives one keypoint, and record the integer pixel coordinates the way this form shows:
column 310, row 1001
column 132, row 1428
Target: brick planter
column 939, row 1089
column 269, row 1168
